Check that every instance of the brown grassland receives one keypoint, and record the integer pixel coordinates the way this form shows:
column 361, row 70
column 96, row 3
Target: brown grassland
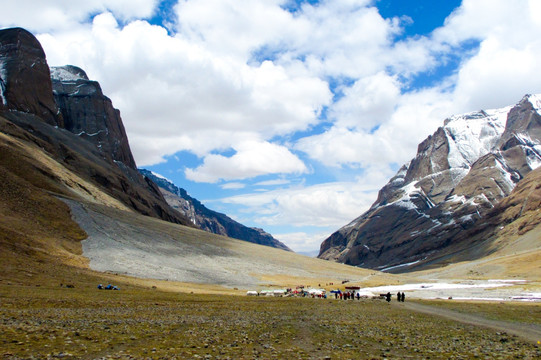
column 136, row 322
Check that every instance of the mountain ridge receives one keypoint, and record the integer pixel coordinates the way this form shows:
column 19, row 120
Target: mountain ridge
column 209, row 220
column 459, row 174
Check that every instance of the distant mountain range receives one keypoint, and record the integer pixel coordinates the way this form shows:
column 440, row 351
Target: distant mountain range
column 448, row 197
column 207, row 219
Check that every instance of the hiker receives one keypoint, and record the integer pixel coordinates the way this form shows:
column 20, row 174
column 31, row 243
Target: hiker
column 398, row 296
column 388, row 297
column 403, row 297
column 358, row 296
column 100, row 286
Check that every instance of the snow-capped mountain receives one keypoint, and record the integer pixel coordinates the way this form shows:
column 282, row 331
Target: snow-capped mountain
column 207, row 219
column 458, row 175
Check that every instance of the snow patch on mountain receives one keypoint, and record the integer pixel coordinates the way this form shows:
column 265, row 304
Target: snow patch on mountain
column 473, row 135
column 3, row 77
column 162, row 177
column 61, row 73
column 535, row 100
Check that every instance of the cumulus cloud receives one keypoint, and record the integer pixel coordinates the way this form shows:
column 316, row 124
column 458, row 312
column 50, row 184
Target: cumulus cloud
column 252, row 158
column 67, row 15
column 504, row 68
column 324, row 205
column 369, row 102
column 200, row 100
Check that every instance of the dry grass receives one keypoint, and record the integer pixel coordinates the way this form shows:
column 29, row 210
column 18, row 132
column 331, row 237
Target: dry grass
column 515, row 312
column 139, row 323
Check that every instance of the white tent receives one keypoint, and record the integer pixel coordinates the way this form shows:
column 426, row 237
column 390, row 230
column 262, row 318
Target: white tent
column 316, row 292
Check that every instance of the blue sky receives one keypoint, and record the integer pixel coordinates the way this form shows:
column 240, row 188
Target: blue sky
column 290, row 115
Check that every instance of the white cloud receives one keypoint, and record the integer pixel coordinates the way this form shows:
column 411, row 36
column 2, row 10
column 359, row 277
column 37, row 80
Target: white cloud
column 328, row 205
column 252, row 158
column 67, row 15
column 369, row 102
column 231, row 27
column 273, row 182
column 202, row 101
column 505, row 67
column 233, row 186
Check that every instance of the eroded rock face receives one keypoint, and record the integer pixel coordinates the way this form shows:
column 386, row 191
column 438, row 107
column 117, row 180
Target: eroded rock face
column 25, row 83
column 90, row 114
column 459, row 175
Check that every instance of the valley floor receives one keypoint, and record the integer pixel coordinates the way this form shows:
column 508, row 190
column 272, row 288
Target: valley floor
column 133, row 323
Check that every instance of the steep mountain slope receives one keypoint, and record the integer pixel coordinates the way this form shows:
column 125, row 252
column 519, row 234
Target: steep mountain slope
column 436, row 201
column 209, row 220
column 91, row 142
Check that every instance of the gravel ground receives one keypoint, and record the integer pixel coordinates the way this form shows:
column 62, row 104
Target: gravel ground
column 143, row 247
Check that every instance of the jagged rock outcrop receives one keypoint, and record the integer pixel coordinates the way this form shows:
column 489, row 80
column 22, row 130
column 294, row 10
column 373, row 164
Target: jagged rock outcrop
column 207, row 219
column 90, row 114
column 28, row 111
column 459, row 175
column 25, row 78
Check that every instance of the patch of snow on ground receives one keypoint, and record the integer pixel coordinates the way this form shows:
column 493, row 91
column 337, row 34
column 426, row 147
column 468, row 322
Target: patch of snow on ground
column 399, row 266
column 494, row 290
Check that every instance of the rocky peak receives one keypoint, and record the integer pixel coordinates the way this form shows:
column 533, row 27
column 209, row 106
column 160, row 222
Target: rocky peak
column 90, row 114
column 25, row 83
column 458, row 175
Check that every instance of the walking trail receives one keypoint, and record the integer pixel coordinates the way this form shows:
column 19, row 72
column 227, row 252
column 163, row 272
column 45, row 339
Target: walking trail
column 529, row 332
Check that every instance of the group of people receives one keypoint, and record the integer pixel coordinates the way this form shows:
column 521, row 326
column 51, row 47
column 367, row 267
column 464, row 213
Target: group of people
column 348, row 295
column 400, row 296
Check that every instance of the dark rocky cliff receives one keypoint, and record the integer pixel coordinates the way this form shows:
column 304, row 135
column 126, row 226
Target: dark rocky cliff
column 90, row 114
column 434, row 202
column 25, row 83
column 92, row 142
